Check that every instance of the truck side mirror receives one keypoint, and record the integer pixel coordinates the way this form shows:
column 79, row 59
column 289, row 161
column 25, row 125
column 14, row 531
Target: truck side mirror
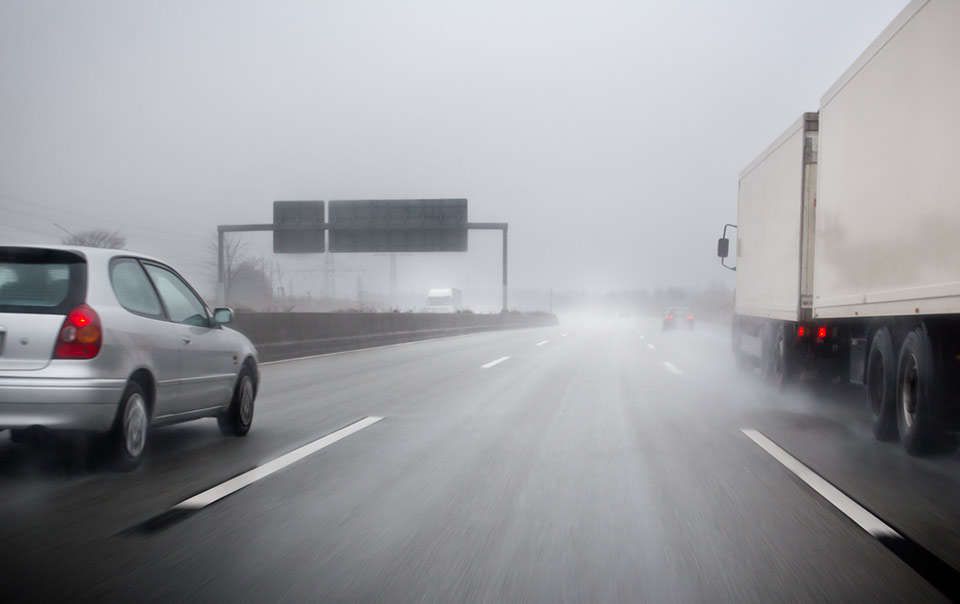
column 723, row 247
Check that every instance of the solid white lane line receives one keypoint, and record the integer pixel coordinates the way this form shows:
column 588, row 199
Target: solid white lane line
column 542, row 342
column 236, row 483
column 850, row 508
column 672, row 368
column 651, row 347
column 494, row 362
column 563, row 335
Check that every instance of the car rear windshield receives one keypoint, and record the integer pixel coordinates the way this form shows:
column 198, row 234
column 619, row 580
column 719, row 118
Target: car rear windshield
column 41, row 281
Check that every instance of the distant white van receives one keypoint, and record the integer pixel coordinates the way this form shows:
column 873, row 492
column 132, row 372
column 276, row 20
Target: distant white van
column 444, row 300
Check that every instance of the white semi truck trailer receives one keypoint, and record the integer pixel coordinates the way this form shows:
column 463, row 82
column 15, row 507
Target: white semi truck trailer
column 848, row 233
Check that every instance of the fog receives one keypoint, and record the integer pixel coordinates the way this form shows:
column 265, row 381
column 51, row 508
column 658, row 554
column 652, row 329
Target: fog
column 608, row 134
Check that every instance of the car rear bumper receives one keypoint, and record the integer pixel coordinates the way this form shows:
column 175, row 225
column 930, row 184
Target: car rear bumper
column 59, row 403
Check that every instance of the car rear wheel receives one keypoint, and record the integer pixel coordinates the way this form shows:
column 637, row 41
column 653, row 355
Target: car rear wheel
column 238, row 417
column 128, row 438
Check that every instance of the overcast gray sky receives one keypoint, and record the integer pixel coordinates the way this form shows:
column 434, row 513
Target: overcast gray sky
column 608, row 134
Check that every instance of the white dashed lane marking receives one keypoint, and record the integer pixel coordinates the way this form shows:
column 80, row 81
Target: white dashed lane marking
column 236, row 483
column 494, row 362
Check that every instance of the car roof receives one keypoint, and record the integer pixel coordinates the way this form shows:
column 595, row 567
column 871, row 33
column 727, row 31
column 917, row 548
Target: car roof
column 91, row 253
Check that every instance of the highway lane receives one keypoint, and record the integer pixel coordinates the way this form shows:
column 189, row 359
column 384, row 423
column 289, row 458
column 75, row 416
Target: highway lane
column 299, row 400
column 605, row 465
column 827, row 426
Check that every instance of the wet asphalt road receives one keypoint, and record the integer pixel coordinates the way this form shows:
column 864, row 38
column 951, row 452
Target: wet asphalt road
column 604, row 465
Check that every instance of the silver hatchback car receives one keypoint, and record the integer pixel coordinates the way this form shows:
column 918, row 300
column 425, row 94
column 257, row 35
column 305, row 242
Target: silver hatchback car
column 112, row 342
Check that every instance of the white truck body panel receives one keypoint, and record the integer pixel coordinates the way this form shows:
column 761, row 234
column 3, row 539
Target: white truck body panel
column 773, row 250
column 888, row 210
column 444, row 300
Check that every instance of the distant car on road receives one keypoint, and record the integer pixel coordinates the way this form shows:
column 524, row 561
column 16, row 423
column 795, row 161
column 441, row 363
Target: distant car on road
column 113, row 343
column 677, row 316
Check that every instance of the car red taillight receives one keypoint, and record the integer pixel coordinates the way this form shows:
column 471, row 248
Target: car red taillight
column 80, row 336
column 801, row 331
column 822, row 333
column 669, row 317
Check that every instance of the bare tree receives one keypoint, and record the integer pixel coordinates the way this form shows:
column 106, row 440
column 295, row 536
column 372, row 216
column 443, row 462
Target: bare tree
column 234, row 254
column 250, row 287
column 96, row 238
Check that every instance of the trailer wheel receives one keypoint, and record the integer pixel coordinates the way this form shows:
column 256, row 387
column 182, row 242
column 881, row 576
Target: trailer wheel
column 918, row 394
column 739, row 358
column 778, row 362
column 881, row 385
column 766, row 351
column 786, row 359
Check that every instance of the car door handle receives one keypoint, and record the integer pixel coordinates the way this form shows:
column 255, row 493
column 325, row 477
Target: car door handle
column 185, row 340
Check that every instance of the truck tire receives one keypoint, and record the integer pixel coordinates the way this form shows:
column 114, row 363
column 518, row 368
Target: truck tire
column 766, row 351
column 776, row 362
column 880, row 385
column 918, row 394
column 739, row 358
column 782, row 358
column 742, row 362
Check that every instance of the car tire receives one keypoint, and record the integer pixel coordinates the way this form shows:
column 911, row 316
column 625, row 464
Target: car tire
column 128, row 438
column 238, row 417
column 918, row 394
column 880, row 385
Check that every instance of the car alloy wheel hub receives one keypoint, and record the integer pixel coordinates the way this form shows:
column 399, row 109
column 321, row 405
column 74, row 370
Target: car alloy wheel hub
column 135, row 425
column 246, row 401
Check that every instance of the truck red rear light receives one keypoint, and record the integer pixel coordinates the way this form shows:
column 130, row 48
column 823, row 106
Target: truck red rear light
column 80, row 335
column 822, row 332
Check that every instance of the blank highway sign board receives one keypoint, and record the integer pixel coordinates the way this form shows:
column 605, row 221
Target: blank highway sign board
column 301, row 214
column 398, row 225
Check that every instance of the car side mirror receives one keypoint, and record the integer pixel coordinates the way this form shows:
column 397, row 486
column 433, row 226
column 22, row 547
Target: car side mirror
column 222, row 315
column 723, row 247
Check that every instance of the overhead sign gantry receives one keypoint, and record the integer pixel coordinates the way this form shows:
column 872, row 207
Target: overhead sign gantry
column 368, row 225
